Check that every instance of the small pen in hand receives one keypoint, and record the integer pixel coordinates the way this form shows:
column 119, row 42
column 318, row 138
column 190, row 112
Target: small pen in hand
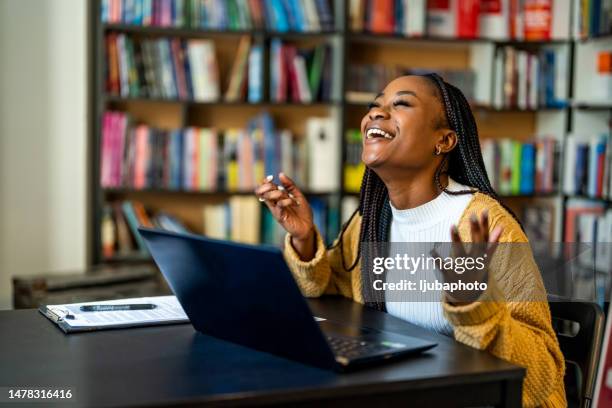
column 114, row 308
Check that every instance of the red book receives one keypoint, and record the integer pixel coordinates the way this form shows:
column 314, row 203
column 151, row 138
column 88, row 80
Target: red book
column 601, row 163
column 513, row 17
column 381, row 20
column 179, row 67
column 538, row 19
column 289, row 53
column 467, row 18
column 141, row 157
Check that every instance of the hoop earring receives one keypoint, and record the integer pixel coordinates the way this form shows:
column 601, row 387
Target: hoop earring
column 438, row 151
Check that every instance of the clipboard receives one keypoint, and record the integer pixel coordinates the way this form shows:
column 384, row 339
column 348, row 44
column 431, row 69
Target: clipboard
column 169, row 311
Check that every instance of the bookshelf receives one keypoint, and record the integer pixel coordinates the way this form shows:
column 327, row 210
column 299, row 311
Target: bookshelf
column 348, row 49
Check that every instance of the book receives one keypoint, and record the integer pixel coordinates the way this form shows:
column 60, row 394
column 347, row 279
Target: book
column 587, row 164
column 238, row 74
column 353, row 166
column 299, row 74
column 493, row 19
column 233, row 15
column 323, row 152
column 522, row 168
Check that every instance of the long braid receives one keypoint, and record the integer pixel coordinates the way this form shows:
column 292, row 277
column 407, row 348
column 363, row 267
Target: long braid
column 464, row 164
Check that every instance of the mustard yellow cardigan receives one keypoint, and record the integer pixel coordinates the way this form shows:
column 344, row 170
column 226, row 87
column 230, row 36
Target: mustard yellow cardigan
column 517, row 331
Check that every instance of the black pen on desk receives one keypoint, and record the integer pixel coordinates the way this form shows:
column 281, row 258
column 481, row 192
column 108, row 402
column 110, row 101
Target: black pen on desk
column 115, row 308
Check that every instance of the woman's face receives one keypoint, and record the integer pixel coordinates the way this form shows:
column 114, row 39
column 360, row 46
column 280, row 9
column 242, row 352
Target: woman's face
column 401, row 129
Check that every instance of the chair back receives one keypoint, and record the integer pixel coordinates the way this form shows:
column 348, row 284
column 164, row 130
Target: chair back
column 580, row 345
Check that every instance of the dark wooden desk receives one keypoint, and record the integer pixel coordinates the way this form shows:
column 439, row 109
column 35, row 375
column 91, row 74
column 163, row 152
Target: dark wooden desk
column 176, row 366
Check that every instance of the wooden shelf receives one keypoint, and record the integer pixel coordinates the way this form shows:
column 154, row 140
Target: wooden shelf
column 365, row 37
column 196, row 193
column 114, row 98
column 203, row 32
column 600, row 37
column 585, row 105
column 484, row 108
column 606, row 201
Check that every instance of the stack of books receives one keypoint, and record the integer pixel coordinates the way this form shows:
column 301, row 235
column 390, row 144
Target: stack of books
column 587, row 166
column 161, row 68
column 528, row 80
column 594, row 18
column 300, row 75
column 530, row 20
column 179, row 69
column 245, row 219
column 137, row 156
column 119, row 227
column 521, row 168
column 365, row 81
column 273, row 15
column 404, row 17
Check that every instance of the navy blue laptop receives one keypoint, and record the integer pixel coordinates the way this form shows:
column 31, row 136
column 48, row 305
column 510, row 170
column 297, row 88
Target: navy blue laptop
column 246, row 294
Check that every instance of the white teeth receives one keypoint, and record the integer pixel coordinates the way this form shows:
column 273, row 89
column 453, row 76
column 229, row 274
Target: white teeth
column 372, row 131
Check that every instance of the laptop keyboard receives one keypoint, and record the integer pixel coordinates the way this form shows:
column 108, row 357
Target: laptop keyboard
column 352, row 348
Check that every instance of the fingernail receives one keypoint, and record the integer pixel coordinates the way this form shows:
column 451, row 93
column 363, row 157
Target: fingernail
column 473, row 218
column 291, row 195
column 281, row 174
column 281, row 188
column 269, row 177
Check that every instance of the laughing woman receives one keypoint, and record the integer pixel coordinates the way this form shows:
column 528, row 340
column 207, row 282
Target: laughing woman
column 425, row 181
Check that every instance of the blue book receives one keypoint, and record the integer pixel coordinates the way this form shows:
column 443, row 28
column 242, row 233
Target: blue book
column 271, row 146
column 255, row 79
column 132, row 221
column 289, row 7
column 549, row 78
column 399, row 17
column 187, row 69
column 138, row 12
column 168, row 67
column 280, row 22
column 582, row 152
column 326, row 19
column 176, row 159
column 527, row 179
column 300, row 18
column 104, row 14
column 594, row 14
column 268, row 16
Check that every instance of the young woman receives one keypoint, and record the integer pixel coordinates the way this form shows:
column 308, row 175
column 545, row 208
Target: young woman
column 425, row 181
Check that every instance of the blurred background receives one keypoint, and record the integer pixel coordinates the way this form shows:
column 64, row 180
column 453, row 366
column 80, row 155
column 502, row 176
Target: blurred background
column 166, row 113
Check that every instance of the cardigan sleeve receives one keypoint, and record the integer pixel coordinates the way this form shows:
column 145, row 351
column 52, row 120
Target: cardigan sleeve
column 512, row 319
column 325, row 273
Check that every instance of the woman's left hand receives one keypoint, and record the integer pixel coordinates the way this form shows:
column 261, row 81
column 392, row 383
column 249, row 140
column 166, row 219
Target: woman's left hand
column 482, row 245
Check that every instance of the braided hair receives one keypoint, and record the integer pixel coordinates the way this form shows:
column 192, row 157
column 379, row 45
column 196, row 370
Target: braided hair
column 464, row 164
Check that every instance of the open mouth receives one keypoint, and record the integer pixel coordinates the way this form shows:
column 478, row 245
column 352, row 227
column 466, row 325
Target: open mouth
column 372, row 133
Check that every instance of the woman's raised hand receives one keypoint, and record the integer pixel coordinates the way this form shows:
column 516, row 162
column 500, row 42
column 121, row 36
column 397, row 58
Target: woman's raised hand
column 288, row 206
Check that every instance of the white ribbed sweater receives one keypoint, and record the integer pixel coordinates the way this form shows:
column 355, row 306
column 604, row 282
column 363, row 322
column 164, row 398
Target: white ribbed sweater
column 430, row 222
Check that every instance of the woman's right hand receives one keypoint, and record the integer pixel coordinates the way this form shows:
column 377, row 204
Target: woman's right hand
column 291, row 210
